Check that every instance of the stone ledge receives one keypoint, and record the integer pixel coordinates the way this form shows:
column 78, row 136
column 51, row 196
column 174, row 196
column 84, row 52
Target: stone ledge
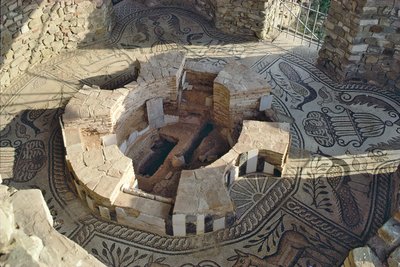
column 28, row 237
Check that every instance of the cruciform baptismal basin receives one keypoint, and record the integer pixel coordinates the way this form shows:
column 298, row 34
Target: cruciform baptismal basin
column 160, row 153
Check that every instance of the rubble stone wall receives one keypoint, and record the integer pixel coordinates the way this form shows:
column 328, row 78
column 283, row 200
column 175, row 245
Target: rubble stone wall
column 35, row 30
column 363, row 41
column 246, row 17
column 206, row 8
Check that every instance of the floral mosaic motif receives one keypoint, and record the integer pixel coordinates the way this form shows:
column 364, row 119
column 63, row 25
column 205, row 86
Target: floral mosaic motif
column 31, row 158
column 115, row 256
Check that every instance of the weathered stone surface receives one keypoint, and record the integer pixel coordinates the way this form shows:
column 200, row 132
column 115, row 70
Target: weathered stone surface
column 155, row 112
column 27, row 237
column 394, row 258
column 275, row 144
column 45, row 23
column 143, row 213
column 356, row 47
column 362, row 257
column 237, row 93
column 247, row 18
column 203, row 191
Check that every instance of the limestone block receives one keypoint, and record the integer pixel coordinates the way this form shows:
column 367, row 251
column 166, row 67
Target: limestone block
column 7, row 221
column 155, row 112
column 141, row 221
column 219, row 224
column 266, row 102
column 90, row 202
column 123, row 147
column 274, row 145
column 200, row 226
column 268, row 168
column 143, row 213
column 203, row 191
column 107, row 189
column 7, row 156
column 179, row 224
column 252, row 158
column 71, row 136
column 104, row 212
column 394, row 258
column 32, row 201
column 93, row 157
column 390, row 233
column 108, row 140
column 362, row 257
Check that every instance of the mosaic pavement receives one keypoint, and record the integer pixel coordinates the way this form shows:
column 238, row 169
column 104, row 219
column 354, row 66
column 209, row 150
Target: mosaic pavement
column 332, row 198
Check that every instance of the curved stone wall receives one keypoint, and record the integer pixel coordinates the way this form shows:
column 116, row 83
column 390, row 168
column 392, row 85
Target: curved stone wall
column 98, row 136
column 33, row 31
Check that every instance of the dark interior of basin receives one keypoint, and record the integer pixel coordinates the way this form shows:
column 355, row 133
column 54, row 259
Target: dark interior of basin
column 160, row 150
column 207, row 128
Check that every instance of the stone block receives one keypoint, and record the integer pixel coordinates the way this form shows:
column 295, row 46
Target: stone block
column 155, row 112
column 123, row 147
column 104, row 212
column 219, row 224
column 362, row 257
column 179, row 224
column 108, row 140
column 390, row 232
column 200, row 229
column 358, row 48
column 93, row 157
column 268, row 168
column 252, row 159
column 139, row 220
column 394, row 258
column 266, row 102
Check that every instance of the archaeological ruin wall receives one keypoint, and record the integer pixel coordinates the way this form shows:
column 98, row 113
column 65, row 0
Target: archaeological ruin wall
column 247, row 18
column 33, row 31
column 363, row 42
column 168, row 171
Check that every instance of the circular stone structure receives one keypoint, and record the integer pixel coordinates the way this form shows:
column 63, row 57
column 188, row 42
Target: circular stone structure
column 160, row 153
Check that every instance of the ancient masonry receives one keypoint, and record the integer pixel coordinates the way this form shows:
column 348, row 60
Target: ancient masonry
column 361, row 45
column 27, row 236
column 363, row 41
column 104, row 140
column 33, row 31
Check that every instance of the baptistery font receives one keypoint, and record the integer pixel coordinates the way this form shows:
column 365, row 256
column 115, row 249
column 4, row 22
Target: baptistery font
column 160, row 153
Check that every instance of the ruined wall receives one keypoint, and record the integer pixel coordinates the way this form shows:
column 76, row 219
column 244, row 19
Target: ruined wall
column 27, row 236
column 363, row 41
column 33, row 31
column 246, row 17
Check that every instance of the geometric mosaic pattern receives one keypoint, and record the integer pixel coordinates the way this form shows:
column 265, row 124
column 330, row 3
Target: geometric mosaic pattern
column 336, row 192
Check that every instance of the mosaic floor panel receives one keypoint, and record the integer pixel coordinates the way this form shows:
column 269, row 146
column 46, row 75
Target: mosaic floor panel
column 338, row 191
